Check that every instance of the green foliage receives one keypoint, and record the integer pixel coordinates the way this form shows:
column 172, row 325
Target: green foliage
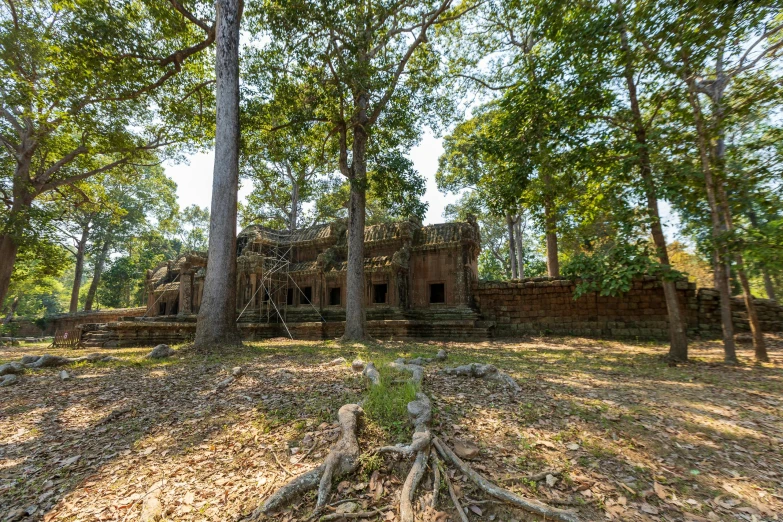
column 611, row 268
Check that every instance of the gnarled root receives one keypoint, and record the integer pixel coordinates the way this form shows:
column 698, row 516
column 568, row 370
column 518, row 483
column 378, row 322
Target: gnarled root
column 420, row 412
column 416, row 366
column 343, row 458
column 496, row 491
column 371, row 372
column 53, row 361
column 483, row 371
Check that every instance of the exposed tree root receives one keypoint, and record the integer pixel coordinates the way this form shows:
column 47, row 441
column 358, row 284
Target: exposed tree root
column 343, row 458
column 9, row 371
column 496, row 491
column 371, row 373
column 453, row 493
column 484, row 371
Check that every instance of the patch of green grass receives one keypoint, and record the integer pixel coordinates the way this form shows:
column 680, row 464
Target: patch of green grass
column 386, row 404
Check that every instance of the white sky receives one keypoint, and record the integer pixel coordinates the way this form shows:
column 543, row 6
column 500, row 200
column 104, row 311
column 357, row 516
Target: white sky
column 194, row 182
column 194, row 179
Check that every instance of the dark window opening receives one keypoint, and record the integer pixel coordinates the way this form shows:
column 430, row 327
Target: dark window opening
column 438, row 293
column 289, row 298
column 175, row 308
column 334, row 296
column 307, row 295
column 265, row 297
column 379, row 293
column 162, row 309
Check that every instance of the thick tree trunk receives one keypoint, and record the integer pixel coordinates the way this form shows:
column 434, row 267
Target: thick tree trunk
column 550, row 221
column 512, row 246
column 355, row 328
column 216, row 319
column 78, row 270
column 718, row 230
column 678, row 347
column 100, row 261
column 8, row 251
column 520, row 247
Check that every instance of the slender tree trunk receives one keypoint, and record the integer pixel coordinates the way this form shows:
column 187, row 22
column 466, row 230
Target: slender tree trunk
column 520, row 247
column 100, row 261
column 768, row 286
column 550, row 221
column 512, row 246
column 718, row 231
column 759, row 344
column 216, row 319
column 678, row 339
column 78, row 270
column 355, row 319
column 292, row 223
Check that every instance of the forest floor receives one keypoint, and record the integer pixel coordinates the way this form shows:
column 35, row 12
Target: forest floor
column 623, row 435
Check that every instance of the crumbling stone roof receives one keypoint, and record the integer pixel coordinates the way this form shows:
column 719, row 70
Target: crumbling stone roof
column 444, row 233
column 370, row 263
column 271, row 236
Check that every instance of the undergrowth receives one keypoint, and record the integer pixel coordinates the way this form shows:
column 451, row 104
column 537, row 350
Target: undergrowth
column 386, row 404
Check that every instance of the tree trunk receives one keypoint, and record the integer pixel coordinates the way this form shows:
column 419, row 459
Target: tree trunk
column 216, row 319
column 96, row 276
column 678, row 347
column 718, row 230
column 78, row 270
column 512, row 246
column 8, row 251
column 293, row 218
column 768, row 286
column 355, row 328
column 759, row 345
column 550, row 221
column 520, row 248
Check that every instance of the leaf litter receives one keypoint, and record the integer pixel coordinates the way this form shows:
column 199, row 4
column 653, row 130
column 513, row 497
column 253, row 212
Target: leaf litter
column 601, row 427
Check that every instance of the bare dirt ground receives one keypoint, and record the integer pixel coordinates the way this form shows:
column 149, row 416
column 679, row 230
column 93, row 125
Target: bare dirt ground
column 622, row 435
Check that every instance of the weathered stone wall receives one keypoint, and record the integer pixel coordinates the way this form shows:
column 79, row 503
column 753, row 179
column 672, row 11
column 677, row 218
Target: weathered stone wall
column 546, row 305
column 71, row 321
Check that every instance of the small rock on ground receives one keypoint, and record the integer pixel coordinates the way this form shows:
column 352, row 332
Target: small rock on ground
column 65, row 376
column 357, row 365
column 465, row 450
column 161, row 352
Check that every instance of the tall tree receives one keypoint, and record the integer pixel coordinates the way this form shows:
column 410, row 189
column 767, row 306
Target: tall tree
column 371, row 73
column 129, row 79
column 714, row 44
column 216, row 324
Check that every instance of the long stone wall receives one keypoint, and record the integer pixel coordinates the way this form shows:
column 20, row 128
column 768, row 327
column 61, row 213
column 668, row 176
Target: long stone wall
column 61, row 322
column 546, row 305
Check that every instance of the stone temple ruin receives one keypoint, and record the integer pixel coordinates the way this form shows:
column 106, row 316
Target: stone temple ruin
column 420, row 282
column 301, row 276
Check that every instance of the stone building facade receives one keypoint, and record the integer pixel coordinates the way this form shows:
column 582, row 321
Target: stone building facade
column 301, row 276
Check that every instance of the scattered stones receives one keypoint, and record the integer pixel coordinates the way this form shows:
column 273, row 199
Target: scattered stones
column 237, row 371
column 551, row 480
column 335, row 362
column 357, row 365
column 465, row 450
column 65, row 376
column 348, row 507
column 161, row 352
column 573, row 446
